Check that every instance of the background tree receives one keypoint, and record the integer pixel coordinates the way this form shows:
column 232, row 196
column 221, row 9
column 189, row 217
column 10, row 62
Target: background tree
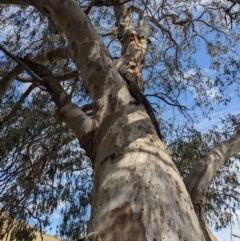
column 74, row 72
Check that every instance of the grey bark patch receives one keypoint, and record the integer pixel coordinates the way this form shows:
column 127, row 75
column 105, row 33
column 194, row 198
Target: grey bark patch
column 87, row 143
column 122, row 224
column 93, row 237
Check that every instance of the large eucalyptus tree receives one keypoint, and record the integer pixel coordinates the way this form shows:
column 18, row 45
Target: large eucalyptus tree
column 107, row 52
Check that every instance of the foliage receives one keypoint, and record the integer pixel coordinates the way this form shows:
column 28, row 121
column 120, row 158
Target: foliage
column 36, row 175
column 192, row 67
column 223, row 194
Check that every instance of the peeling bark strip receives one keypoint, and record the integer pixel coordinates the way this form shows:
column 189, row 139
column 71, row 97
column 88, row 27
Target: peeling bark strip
column 87, row 142
column 134, row 42
column 123, row 222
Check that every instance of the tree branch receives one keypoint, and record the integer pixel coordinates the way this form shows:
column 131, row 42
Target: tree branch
column 54, row 54
column 201, row 175
column 19, row 61
column 203, row 172
column 68, row 112
column 58, row 53
column 19, row 2
column 174, row 19
column 234, row 235
column 123, row 20
column 68, row 76
column 134, row 42
column 89, row 53
column 100, row 3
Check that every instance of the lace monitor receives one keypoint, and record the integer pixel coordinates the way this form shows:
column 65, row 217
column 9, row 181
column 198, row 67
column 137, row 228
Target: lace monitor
column 141, row 98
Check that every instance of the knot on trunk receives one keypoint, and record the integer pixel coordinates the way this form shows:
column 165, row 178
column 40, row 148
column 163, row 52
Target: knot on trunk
column 94, row 236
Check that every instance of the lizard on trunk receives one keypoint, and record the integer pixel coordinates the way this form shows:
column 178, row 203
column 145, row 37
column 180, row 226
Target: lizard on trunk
column 141, row 99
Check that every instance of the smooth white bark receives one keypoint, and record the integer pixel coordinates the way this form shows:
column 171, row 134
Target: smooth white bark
column 198, row 180
column 136, row 183
column 138, row 192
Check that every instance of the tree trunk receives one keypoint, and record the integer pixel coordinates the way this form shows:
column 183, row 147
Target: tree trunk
column 138, row 193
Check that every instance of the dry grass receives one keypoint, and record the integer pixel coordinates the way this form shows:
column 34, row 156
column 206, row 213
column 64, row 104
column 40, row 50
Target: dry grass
column 46, row 237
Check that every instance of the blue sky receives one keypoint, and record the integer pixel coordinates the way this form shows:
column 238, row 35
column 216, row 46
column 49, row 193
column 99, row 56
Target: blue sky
column 225, row 234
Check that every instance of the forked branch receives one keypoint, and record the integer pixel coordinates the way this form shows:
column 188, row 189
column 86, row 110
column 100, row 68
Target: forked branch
column 198, row 180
